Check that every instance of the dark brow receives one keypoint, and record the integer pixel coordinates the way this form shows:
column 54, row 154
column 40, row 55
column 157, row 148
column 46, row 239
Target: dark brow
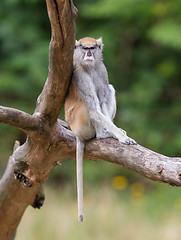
column 89, row 48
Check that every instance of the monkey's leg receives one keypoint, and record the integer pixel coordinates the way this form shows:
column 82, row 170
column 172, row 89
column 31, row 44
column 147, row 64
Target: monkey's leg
column 100, row 119
column 109, row 111
column 79, row 165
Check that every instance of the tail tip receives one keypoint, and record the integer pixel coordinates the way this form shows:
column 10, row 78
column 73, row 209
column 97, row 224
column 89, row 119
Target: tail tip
column 81, row 218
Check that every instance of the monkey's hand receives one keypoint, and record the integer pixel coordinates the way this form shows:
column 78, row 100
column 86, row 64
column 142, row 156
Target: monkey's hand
column 128, row 141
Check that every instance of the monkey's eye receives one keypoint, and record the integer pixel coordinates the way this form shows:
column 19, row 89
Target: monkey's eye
column 89, row 48
column 85, row 48
column 92, row 48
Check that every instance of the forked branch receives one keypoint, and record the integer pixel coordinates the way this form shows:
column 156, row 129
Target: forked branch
column 32, row 163
column 62, row 17
column 19, row 119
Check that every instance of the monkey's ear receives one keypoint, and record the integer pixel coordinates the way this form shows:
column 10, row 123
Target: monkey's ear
column 100, row 43
column 77, row 43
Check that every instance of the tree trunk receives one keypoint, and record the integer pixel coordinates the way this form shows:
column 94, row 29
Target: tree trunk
column 48, row 140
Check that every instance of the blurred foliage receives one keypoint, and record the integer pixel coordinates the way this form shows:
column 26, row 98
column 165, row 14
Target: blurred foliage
column 142, row 52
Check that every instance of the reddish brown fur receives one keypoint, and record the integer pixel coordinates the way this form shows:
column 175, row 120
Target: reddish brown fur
column 88, row 42
column 76, row 113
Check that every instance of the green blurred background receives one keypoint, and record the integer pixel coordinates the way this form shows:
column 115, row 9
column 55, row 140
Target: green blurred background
column 142, row 52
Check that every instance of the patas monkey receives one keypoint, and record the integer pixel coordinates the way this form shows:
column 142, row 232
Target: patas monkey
column 90, row 106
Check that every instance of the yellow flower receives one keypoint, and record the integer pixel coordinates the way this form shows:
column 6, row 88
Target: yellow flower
column 137, row 192
column 137, row 189
column 119, row 182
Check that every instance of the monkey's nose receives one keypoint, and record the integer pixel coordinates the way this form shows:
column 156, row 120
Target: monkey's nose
column 89, row 54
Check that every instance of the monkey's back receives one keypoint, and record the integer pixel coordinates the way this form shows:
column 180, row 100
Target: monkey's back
column 77, row 115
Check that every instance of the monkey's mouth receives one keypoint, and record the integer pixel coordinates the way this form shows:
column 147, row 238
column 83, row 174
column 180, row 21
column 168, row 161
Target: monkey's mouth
column 88, row 59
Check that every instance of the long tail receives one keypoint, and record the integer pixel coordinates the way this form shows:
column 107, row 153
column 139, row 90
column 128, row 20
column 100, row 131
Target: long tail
column 79, row 165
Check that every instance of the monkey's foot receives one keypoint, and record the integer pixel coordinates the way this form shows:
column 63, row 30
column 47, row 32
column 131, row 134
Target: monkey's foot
column 123, row 131
column 128, row 141
column 104, row 134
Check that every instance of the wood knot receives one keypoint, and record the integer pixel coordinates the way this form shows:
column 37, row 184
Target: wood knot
column 179, row 174
column 160, row 169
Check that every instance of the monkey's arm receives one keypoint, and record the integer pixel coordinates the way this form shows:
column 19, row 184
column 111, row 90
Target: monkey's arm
column 87, row 91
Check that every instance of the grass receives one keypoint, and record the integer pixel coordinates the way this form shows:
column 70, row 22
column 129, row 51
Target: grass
column 110, row 214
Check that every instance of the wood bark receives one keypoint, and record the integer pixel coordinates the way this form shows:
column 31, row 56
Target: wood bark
column 49, row 141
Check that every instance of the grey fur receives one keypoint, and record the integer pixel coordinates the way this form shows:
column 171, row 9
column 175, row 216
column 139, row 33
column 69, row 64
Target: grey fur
column 91, row 79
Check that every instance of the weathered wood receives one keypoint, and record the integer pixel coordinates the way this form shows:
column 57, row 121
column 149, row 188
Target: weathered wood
column 32, row 163
column 62, row 17
column 137, row 158
column 49, row 141
column 19, row 119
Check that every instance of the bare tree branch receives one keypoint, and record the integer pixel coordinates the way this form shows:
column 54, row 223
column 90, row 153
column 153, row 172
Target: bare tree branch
column 19, row 119
column 62, row 17
column 32, row 163
column 139, row 159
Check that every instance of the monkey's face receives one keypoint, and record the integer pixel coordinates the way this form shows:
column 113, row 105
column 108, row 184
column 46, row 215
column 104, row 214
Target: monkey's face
column 88, row 51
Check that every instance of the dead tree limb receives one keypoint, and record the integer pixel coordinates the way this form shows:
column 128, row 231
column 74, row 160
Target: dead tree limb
column 31, row 164
column 51, row 100
column 49, row 142
column 137, row 158
column 19, row 119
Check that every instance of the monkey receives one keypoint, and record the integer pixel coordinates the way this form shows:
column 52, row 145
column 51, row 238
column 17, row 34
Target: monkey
column 90, row 105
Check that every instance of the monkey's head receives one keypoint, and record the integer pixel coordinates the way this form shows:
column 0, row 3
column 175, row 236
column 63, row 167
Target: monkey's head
column 88, row 51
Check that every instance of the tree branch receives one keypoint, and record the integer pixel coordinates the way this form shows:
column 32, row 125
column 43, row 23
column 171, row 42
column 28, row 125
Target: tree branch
column 137, row 158
column 19, row 119
column 62, row 17
column 31, row 166
column 32, row 163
